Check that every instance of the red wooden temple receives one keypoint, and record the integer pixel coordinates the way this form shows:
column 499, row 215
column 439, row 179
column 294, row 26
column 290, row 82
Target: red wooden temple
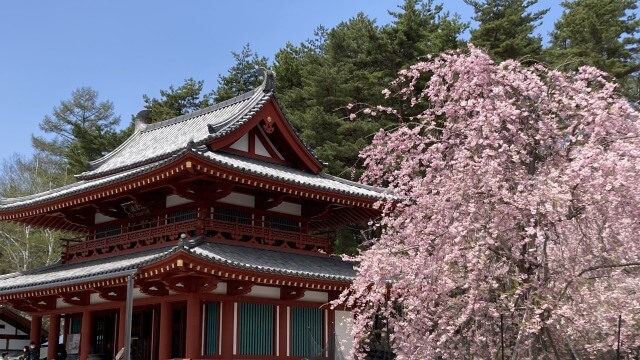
column 206, row 236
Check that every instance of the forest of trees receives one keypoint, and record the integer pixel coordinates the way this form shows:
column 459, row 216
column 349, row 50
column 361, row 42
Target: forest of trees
column 321, row 82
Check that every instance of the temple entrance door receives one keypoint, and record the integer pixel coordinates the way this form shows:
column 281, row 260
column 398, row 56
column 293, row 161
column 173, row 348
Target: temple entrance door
column 144, row 344
column 104, row 334
column 178, row 344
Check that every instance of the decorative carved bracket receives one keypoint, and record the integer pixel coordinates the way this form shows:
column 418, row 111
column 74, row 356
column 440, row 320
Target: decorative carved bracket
column 191, row 283
column 154, row 288
column 22, row 305
column 265, row 202
column 77, row 298
column 44, row 303
column 290, row 293
column 115, row 293
column 238, row 288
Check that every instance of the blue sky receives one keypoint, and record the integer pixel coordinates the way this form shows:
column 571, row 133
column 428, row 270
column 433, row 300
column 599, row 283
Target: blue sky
column 124, row 49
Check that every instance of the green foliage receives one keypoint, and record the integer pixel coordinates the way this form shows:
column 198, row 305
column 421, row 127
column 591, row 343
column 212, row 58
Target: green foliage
column 24, row 247
column 242, row 76
column 600, row 33
column 351, row 64
column 176, row 101
column 83, row 129
column 506, row 28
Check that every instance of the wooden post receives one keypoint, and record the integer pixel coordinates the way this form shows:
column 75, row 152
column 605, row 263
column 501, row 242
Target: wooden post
column 166, row 327
column 86, row 334
column 193, row 336
column 35, row 333
column 54, row 332
column 227, row 330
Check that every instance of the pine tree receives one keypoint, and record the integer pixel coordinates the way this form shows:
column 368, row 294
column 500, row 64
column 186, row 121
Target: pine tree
column 176, row 101
column 83, row 129
column 505, row 28
column 600, row 33
column 242, row 76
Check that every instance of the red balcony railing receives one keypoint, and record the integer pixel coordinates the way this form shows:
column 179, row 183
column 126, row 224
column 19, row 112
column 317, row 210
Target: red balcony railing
column 225, row 228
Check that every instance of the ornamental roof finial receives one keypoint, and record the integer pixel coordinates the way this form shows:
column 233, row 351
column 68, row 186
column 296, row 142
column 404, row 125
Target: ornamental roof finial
column 269, row 81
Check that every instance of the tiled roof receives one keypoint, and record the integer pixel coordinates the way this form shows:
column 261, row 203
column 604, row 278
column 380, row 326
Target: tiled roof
column 280, row 173
column 77, row 187
column 293, row 176
column 163, row 139
column 277, row 262
column 241, row 257
column 63, row 274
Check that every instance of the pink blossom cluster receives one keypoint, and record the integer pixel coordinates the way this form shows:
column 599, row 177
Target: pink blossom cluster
column 516, row 222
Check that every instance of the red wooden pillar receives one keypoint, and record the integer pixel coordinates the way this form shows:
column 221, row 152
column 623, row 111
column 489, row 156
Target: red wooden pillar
column 227, row 330
column 166, row 334
column 35, row 334
column 54, row 332
column 193, row 336
column 283, row 333
column 86, row 334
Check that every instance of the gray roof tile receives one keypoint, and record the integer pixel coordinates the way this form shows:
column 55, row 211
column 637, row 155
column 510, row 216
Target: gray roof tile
column 241, row 257
column 161, row 140
column 278, row 262
column 60, row 274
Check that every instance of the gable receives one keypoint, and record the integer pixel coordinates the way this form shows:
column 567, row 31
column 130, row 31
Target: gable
column 268, row 136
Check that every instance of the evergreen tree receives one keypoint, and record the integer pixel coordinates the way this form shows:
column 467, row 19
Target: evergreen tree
column 505, row 28
column 600, row 33
column 83, row 129
column 242, row 76
column 176, row 101
column 351, row 64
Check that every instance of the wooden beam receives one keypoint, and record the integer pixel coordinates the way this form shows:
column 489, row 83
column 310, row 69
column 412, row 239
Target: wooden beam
column 80, row 298
column 236, row 288
column 290, row 293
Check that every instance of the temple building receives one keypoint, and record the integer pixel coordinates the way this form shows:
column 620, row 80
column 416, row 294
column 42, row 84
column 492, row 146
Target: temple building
column 206, row 236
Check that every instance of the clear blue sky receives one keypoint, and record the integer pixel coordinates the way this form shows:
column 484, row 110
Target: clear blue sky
column 124, row 49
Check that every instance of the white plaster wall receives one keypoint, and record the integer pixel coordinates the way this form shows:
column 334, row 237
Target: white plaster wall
column 288, row 208
column 260, row 149
column 343, row 329
column 239, row 199
column 220, row 289
column 241, row 144
column 3, row 344
column 18, row 344
column 100, row 218
column 315, row 296
column 8, row 329
column 175, row 200
column 268, row 292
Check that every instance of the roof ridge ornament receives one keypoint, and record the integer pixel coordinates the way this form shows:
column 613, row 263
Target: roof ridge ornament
column 140, row 120
column 269, row 82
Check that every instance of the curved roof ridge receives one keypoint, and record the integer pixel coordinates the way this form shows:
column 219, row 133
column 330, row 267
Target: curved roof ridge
column 94, row 164
column 216, row 106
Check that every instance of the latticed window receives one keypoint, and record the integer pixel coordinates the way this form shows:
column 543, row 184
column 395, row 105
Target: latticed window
column 284, row 224
column 256, row 328
column 212, row 317
column 233, row 215
column 181, row 215
column 108, row 231
column 306, row 328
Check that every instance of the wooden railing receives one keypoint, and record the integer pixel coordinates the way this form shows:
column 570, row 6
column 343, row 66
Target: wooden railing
column 162, row 231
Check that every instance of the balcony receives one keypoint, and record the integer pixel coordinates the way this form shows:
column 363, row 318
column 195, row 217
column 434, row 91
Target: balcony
column 166, row 229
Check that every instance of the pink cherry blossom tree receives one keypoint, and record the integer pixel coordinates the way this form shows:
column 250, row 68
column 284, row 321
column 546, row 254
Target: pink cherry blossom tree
column 515, row 228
